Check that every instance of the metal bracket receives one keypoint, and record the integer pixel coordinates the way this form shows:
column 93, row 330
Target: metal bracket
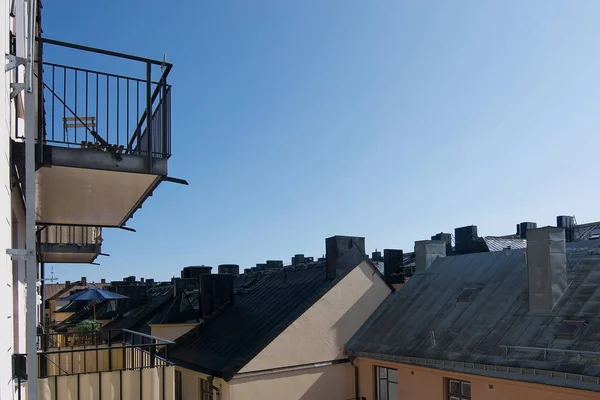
column 14, row 62
column 16, row 89
column 19, row 254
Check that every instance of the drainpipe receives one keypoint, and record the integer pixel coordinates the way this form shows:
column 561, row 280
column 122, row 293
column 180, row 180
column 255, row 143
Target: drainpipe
column 356, row 391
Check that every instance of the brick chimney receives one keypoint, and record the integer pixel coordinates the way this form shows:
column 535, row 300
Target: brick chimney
column 338, row 246
column 546, row 267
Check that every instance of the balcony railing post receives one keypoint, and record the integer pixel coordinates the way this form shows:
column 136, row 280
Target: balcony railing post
column 40, row 105
column 149, row 114
column 163, row 116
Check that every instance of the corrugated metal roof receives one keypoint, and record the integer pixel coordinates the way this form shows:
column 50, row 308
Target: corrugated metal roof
column 495, row 314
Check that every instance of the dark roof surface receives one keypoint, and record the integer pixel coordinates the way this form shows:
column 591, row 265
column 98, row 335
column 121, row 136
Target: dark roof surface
column 500, row 243
column 495, row 314
column 137, row 316
column 265, row 303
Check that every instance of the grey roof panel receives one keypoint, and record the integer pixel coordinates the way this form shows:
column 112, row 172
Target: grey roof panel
column 496, row 314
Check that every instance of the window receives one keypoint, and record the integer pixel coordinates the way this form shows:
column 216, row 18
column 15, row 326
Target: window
column 458, row 390
column 205, row 390
column 387, row 383
column 178, row 386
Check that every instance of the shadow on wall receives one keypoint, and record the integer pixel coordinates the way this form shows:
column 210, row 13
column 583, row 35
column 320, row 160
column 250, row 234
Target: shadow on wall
column 324, row 383
column 361, row 310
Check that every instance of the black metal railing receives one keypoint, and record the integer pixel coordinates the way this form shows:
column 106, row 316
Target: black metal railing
column 70, row 235
column 85, row 107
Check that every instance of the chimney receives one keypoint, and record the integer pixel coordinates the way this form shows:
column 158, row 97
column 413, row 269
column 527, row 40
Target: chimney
column 150, row 281
column 273, row 264
column 247, row 270
column 376, row 255
column 142, row 279
column 215, row 292
column 445, row 237
column 232, row 269
column 129, row 279
column 103, row 281
column 298, row 259
column 393, row 266
column 546, row 267
column 524, row 227
column 195, row 271
column 83, row 281
column 465, row 239
column 337, row 246
column 426, row 251
column 67, row 283
column 568, row 223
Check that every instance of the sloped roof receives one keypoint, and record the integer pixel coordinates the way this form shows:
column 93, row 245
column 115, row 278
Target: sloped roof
column 494, row 243
column 495, row 315
column 157, row 296
column 265, row 303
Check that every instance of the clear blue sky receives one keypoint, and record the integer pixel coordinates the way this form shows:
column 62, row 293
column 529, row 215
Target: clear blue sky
column 393, row 120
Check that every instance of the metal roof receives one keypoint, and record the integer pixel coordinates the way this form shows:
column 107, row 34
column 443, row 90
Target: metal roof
column 496, row 314
column 500, row 243
column 265, row 303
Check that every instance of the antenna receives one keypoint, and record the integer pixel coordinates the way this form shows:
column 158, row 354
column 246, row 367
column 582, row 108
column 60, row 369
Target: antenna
column 52, row 277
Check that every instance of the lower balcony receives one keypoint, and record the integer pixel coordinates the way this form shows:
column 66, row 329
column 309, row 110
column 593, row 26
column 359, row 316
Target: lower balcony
column 94, row 368
column 69, row 244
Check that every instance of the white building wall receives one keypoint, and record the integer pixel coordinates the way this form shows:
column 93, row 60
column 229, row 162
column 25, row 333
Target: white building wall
column 12, row 213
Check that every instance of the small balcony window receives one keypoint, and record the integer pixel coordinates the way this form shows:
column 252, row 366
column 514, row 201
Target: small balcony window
column 458, row 390
column 387, row 383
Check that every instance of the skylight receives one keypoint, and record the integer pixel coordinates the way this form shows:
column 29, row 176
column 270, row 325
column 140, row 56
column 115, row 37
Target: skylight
column 568, row 329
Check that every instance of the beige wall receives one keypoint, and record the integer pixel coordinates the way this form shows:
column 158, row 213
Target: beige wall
column 328, row 383
column 322, row 331
column 67, row 387
column 170, row 331
column 318, row 335
column 190, row 385
column 61, row 316
column 427, row 383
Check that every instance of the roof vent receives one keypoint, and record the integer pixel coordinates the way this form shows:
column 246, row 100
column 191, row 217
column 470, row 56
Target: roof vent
column 568, row 329
column 465, row 295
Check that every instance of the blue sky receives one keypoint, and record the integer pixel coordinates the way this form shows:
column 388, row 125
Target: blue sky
column 393, row 120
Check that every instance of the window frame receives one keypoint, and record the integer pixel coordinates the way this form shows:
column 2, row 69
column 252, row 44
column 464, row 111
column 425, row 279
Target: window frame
column 451, row 394
column 389, row 382
column 205, row 391
column 178, row 385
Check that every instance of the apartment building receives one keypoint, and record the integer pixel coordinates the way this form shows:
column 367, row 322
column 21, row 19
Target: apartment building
column 275, row 333
column 99, row 135
column 489, row 323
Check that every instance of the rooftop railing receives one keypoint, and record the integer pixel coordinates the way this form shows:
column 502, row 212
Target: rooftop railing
column 113, row 112
column 72, row 358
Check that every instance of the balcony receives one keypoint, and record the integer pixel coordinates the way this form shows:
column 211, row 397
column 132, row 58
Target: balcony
column 105, row 135
column 69, row 244
column 90, row 366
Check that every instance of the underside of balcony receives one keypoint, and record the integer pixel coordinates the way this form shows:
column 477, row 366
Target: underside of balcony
column 69, row 244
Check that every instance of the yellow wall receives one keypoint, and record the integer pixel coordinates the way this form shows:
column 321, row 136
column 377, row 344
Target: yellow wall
column 170, row 331
column 322, row 331
column 427, row 383
column 61, row 316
